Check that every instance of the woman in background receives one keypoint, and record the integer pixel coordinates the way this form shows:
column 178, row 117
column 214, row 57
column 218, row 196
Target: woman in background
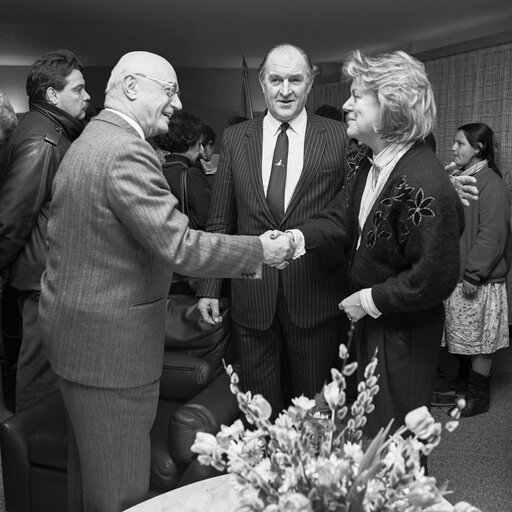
column 183, row 141
column 189, row 184
column 477, row 312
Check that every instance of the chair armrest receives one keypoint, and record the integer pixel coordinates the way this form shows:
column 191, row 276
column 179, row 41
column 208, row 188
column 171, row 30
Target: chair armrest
column 165, row 474
column 206, row 412
column 48, row 415
column 183, row 376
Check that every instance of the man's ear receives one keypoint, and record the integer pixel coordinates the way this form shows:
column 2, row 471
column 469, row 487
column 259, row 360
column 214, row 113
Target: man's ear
column 52, row 96
column 310, row 84
column 130, row 87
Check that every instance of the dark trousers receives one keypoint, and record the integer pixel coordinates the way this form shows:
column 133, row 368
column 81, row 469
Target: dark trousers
column 35, row 378
column 109, row 445
column 407, row 362
column 10, row 336
column 286, row 359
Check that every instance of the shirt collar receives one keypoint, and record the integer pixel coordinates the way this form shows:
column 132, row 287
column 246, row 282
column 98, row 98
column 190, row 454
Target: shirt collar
column 297, row 124
column 389, row 153
column 130, row 121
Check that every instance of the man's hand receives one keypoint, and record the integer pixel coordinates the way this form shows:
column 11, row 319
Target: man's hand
column 451, row 167
column 209, row 309
column 352, row 307
column 465, row 187
column 277, row 248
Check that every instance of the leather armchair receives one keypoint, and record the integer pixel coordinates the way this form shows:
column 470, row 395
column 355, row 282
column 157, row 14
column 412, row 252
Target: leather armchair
column 194, row 397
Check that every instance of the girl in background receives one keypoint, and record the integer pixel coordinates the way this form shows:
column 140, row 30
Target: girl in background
column 476, row 312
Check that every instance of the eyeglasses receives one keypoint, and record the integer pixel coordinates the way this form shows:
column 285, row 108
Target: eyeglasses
column 171, row 88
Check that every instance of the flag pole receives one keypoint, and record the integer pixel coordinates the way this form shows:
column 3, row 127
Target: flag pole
column 245, row 99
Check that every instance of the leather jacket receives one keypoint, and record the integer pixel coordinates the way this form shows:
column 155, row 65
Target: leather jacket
column 34, row 153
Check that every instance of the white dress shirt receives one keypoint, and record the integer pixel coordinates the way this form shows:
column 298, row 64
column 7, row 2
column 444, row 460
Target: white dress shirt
column 296, row 136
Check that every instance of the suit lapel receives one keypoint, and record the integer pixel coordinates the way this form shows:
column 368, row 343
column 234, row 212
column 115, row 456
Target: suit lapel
column 254, row 150
column 314, row 146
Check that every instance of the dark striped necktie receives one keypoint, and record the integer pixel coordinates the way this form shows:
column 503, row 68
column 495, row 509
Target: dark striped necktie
column 277, row 182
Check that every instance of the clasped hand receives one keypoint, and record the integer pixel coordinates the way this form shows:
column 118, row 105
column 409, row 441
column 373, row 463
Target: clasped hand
column 465, row 187
column 278, row 248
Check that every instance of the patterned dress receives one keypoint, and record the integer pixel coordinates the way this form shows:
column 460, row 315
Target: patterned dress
column 479, row 324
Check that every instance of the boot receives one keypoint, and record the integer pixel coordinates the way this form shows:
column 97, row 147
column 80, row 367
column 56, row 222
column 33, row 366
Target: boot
column 478, row 397
column 460, row 383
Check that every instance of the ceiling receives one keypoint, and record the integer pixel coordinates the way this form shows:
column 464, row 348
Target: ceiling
column 215, row 33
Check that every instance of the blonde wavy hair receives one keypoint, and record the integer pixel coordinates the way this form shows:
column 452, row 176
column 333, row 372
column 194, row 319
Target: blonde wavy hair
column 403, row 90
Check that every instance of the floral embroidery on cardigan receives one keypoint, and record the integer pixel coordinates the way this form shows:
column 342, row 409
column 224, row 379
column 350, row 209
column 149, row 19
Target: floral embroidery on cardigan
column 418, row 208
column 355, row 156
column 375, row 233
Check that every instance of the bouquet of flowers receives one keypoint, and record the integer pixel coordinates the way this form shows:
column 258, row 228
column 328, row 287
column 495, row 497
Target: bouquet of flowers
column 314, row 458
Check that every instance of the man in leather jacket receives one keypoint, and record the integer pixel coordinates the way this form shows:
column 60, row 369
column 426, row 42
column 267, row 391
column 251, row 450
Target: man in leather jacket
column 57, row 105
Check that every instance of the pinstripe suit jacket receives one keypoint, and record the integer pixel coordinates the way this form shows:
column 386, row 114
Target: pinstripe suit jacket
column 313, row 284
column 115, row 236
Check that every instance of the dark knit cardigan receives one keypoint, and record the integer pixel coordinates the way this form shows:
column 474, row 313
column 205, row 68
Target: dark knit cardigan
column 409, row 250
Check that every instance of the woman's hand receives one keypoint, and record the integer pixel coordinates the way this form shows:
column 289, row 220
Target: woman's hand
column 469, row 290
column 352, row 307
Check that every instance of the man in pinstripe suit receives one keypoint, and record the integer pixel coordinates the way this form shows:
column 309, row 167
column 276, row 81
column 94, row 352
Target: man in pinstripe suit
column 291, row 316
column 115, row 237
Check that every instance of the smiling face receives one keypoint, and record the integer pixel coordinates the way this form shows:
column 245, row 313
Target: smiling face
column 363, row 113
column 73, row 99
column 159, row 99
column 464, row 154
column 286, row 83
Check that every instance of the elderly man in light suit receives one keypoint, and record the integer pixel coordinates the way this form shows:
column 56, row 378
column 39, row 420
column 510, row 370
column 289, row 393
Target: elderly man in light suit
column 115, row 236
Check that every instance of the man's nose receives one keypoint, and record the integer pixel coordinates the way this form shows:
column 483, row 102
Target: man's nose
column 86, row 96
column 285, row 88
column 176, row 102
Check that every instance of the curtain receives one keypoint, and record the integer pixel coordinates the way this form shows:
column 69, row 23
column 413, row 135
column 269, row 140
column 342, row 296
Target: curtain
column 333, row 93
column 474, row 87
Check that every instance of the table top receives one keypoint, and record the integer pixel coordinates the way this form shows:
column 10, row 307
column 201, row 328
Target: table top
column 216, row 494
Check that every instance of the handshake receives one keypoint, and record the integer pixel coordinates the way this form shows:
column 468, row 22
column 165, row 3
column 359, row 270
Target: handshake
column 278, row 248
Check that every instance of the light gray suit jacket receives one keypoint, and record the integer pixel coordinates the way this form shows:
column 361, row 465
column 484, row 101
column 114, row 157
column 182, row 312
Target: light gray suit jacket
column 115, row 237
